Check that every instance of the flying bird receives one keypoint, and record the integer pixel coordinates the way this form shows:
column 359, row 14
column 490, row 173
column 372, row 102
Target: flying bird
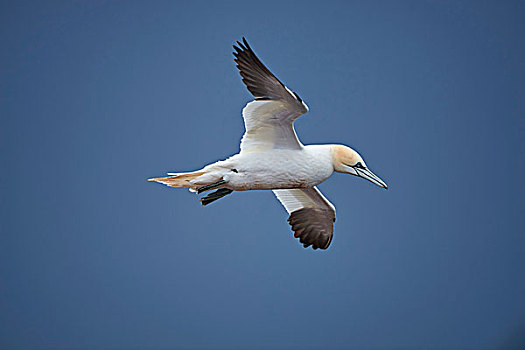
column 271, row 157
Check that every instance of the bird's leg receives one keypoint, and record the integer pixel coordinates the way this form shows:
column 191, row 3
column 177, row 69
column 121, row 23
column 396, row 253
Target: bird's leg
column 211, row 186
column 221, row 192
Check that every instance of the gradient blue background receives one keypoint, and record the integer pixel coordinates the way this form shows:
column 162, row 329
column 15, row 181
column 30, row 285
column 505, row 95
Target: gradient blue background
column 96, row 97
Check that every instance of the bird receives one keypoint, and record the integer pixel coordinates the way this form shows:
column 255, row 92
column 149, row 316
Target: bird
column 271, row 157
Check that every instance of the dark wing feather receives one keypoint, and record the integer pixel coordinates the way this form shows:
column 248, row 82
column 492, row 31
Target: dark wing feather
column 313, row 226
column 259, row 80
column 312, row 216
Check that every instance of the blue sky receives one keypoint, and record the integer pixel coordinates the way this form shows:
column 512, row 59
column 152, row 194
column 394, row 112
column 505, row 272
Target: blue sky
column 96, row 97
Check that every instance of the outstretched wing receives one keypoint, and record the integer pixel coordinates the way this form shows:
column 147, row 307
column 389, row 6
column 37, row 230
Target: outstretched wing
column 312, row 216
column 269, row 119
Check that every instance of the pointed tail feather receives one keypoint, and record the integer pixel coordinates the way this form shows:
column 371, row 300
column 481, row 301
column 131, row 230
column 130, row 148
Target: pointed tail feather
column 179, row 180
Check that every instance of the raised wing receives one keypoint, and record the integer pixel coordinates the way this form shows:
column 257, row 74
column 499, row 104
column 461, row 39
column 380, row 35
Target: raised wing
column 312, row 216
column 269, row 119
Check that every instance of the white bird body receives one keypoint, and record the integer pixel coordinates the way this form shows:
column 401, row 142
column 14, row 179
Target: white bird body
column 271, row 157
column 272, row 169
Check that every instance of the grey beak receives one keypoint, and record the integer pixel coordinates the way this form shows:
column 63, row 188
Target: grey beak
column 365, row 173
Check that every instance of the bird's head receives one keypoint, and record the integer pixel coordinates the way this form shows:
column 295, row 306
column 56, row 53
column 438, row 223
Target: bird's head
column 348, row 161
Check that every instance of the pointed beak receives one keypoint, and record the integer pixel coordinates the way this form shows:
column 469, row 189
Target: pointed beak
column 365, row 173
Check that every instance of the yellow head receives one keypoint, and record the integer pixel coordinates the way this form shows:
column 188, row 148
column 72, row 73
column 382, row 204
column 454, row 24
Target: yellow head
column 348, row 161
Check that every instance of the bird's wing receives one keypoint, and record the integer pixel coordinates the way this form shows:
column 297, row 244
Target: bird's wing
column 312, row 216
column 269, row 119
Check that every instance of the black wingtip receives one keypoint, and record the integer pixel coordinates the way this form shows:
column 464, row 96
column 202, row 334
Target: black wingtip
column 246, row 43
column 258, row 79
column 313, row 227
column 241, row 46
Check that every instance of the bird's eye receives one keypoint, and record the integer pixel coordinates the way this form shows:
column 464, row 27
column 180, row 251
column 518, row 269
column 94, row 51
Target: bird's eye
column 359, row 165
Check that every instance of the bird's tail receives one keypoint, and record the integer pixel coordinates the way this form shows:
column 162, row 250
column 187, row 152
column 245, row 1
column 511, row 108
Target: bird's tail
column 179, row 179
column 198, row 181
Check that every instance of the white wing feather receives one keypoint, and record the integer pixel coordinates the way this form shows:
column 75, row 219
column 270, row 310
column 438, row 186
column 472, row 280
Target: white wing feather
column 269, row 124
column 298, row 198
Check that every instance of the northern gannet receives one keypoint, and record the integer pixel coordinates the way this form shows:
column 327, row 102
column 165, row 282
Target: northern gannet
column 271, row 157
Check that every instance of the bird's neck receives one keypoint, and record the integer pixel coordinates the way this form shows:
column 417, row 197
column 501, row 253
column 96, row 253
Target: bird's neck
column 320, row 151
